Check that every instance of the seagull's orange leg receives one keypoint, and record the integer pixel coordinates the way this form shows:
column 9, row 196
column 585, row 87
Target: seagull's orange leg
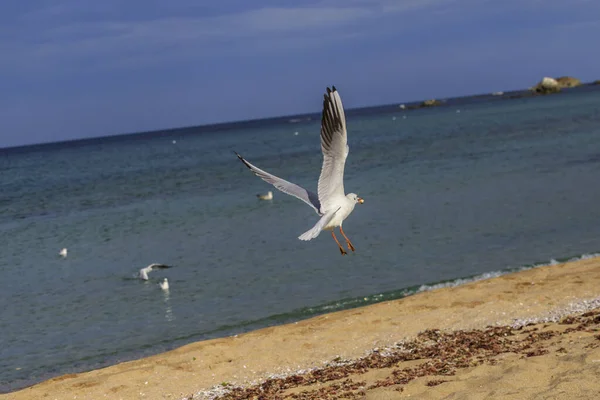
column 347, row 240
column 338, row 243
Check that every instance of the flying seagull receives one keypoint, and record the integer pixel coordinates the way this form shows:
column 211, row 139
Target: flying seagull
column 145, row 271
column 63, row 253
column 331, row 204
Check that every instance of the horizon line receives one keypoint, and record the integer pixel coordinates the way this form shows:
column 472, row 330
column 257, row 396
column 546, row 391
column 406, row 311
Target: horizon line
column 227, row 125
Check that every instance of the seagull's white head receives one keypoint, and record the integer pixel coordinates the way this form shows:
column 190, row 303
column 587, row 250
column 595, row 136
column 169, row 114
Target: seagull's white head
column 353, row 197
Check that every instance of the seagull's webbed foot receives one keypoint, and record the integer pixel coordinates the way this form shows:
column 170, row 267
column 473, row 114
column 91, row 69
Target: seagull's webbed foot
column 338, row 243
column 348, row 242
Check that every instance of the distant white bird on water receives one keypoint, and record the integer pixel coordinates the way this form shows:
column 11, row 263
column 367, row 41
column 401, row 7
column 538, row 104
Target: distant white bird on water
column 268, row 196
column 164, row 285
column 331, row 203
column 145, row 271
column 63, row 252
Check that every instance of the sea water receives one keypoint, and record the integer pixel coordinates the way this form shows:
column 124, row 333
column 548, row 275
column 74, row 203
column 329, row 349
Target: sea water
column 448, row 195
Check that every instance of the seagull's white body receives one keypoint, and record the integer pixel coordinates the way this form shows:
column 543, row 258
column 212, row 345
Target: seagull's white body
column 63, row 252
column 146, row 270
column 164, row 285
column 339, row 211
column 268, row 196
column 331, row 204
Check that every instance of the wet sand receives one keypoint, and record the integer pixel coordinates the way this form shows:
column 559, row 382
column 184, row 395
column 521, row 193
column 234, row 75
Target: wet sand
column 509, row 337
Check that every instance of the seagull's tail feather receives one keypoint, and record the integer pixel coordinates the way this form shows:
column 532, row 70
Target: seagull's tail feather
column 311, row 234
column 316, row 230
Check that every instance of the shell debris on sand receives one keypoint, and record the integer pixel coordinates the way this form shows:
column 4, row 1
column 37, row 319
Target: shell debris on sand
column 435, row 355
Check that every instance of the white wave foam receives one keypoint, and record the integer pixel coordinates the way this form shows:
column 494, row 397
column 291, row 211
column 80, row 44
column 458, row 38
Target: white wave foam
column 495, row 274
column 348, row 303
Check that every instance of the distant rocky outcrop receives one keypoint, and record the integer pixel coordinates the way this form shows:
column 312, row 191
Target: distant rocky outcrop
column 568, row 81
column 424, row 104
column 596, row 82
column 546, row 86
column 431, row 103
column 551, row 85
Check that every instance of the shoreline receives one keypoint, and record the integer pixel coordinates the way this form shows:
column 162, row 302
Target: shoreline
column 301, row 314
column 549, row 292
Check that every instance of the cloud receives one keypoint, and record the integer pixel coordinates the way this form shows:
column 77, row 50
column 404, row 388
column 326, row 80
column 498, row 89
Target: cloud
column 104, row 33
column 84, row 37
column 93, row 33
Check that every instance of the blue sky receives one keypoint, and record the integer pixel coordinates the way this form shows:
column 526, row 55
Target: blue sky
column 79, row 68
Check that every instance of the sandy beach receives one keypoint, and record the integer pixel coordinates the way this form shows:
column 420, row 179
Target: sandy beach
column 534, row 334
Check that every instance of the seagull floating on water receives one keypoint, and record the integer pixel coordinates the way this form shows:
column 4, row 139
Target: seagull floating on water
column 63, row 252
column 145, row 271
column 268, row 196
column 164, row 285
column 331, row 204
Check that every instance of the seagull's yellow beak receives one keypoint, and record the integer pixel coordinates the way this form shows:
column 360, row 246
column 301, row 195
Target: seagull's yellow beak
column 360, row 200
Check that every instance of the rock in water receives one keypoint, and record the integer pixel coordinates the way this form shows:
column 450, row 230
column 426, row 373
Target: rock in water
column 568, row 81
column 551, row 85
column 431, row 103
column 547, row 86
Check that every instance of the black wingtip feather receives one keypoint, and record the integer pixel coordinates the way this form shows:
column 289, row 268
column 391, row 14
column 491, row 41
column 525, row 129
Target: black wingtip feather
column 330, row 118
column 243, row 160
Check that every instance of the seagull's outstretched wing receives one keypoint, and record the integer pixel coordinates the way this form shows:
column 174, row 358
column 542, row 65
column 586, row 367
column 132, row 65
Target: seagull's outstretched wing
column 334, row 144
column 143, row 274
column 286, row 187
column 158, row 266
